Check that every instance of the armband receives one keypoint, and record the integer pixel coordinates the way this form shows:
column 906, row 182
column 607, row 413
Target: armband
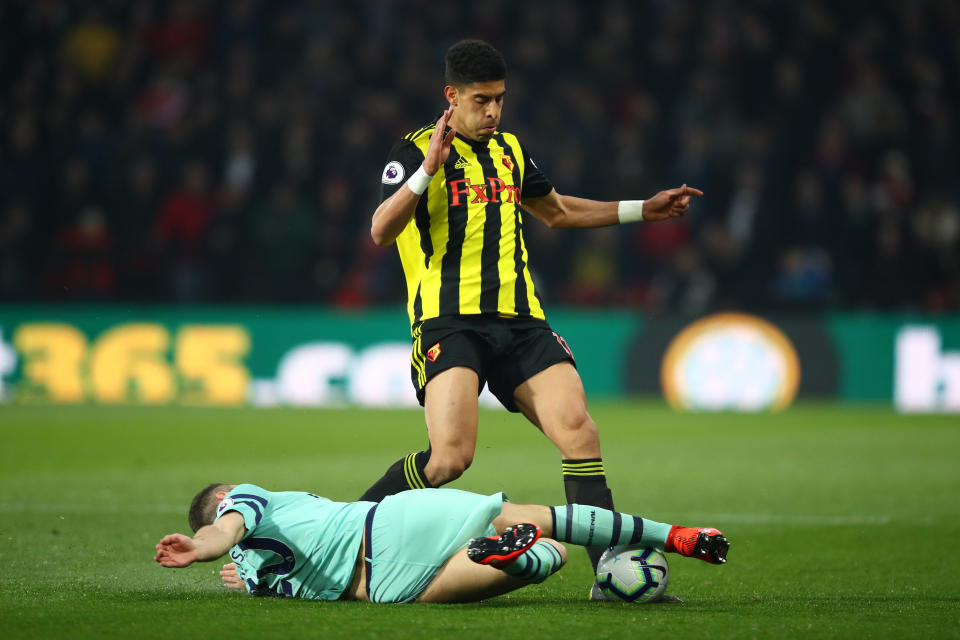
column 419, row 181
column 629, row 211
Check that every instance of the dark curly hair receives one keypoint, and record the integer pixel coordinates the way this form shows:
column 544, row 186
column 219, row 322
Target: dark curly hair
column 470, row 61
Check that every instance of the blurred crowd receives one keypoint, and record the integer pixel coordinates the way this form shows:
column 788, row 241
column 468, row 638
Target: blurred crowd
column 231, row 151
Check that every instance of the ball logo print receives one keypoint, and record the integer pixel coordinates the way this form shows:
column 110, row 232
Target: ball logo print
column 633, row 574
column 225, row 504
column 392, row 173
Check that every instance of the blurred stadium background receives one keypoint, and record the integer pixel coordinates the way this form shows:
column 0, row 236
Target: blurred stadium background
column 156, row 156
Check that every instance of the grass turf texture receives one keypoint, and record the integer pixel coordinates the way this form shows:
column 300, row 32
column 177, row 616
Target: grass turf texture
column 843, row 521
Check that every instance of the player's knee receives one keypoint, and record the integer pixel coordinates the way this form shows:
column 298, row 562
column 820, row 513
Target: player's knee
column 511, row 514
column 575, row 424
column 580, row 420
column 448, row 466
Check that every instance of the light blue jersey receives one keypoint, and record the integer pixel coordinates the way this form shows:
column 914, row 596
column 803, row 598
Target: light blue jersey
column 296, row 544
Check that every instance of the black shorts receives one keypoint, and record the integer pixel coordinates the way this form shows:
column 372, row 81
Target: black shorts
column 503, row 351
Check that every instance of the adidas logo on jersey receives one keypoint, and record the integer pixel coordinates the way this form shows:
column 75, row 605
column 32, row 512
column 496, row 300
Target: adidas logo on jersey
column 462, row 163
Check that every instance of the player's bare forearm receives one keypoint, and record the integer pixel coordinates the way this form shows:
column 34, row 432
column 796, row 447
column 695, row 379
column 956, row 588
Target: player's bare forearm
column 392, row 216
column 559, row 211
column 583, row 213
column 209, row 543
column 213, row 541
column 564, row 212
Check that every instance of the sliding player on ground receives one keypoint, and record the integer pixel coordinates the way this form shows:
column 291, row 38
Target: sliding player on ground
column 437, row 545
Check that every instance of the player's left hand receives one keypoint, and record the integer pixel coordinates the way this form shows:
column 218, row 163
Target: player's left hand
column 176, row 550
column 438, row 149
column 669, row 204
column 231, row 579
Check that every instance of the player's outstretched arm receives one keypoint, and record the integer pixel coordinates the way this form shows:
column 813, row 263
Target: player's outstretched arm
column 394, row 213
column 556, row 210
column 209, row 543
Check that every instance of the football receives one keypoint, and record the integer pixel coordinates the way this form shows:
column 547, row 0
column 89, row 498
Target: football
column 633, row 574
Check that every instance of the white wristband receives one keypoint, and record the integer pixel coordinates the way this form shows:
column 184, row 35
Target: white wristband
column 630, row 211
column 419, row 181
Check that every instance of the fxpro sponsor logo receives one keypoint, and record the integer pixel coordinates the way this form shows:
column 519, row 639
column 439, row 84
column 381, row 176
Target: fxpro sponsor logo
column 730, row 361
column 463, row 191
column 927, row 378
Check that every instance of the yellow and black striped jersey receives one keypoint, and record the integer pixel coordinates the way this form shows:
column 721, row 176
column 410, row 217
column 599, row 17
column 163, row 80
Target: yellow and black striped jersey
column 463, row 251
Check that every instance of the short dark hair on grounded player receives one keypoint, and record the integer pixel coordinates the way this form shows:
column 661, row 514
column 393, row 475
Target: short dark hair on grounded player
column 203, row 509
column 470, row 61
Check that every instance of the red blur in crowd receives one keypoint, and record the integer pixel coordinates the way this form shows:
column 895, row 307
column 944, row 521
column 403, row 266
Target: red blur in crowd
column 185, row 215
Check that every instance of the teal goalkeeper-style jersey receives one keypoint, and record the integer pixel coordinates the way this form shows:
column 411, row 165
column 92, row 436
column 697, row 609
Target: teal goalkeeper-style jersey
column 297, row 544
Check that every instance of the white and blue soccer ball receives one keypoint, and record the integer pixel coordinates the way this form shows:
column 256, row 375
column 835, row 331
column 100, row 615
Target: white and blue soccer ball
column 633, row 574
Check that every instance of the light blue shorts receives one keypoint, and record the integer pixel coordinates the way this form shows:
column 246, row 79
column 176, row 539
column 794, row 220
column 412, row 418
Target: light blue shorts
column 410, row 535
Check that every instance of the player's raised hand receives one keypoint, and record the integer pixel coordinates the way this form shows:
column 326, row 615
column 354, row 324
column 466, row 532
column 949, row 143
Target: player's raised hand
column 176, row 550
column 439, row 148
column 669, row 204
column 231, row 578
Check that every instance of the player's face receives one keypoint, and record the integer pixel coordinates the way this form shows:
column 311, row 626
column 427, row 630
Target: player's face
column 476, row 108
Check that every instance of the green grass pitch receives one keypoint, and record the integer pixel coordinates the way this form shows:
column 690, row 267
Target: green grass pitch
column 843, row 520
